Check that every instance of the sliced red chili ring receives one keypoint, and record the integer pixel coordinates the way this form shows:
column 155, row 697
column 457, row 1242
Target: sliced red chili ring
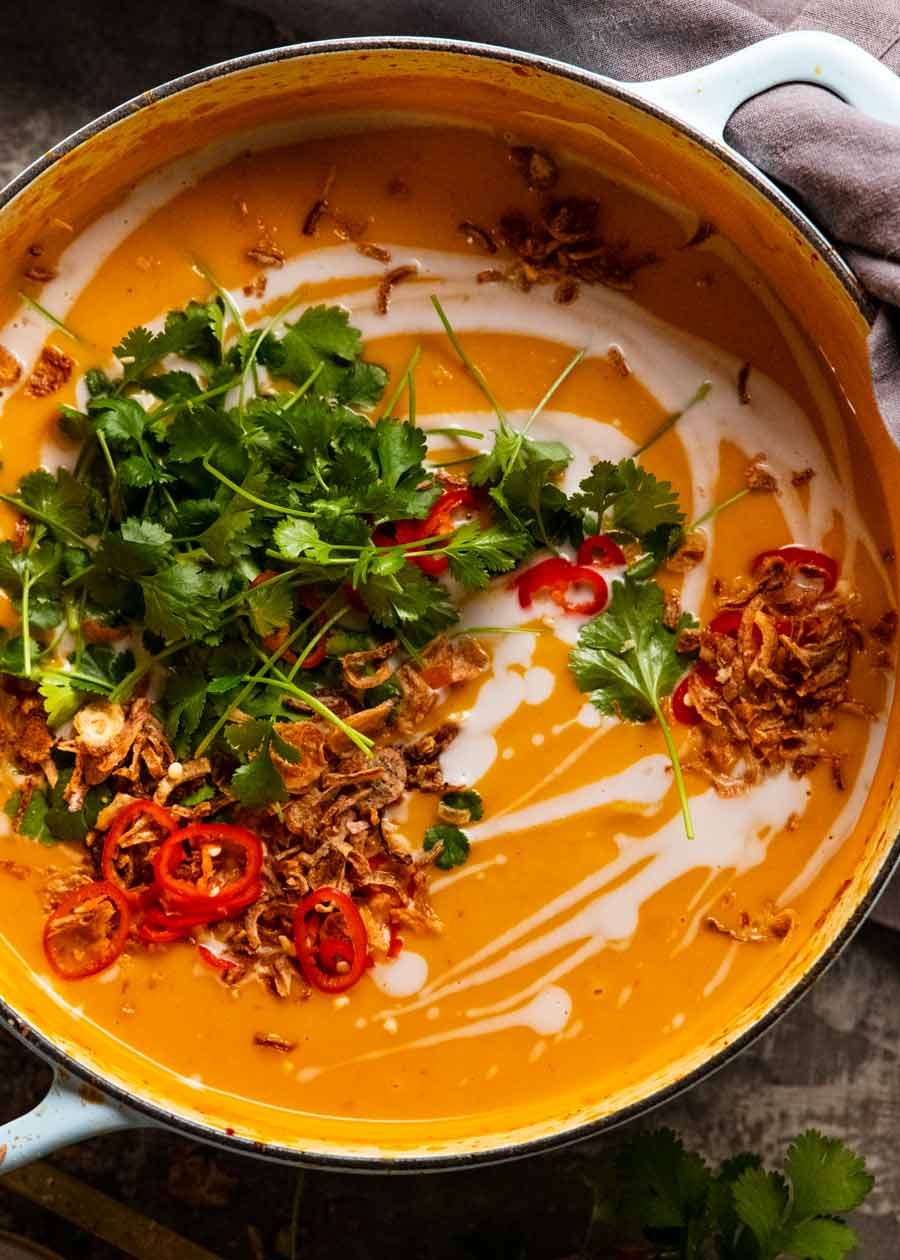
column 556, row 576
column 438, row 521
column 729, row 622
column 96, row 953
column 350, row 947
column 216, row 961
column 189, row 895
column 803, row 557
column 120, row 824
column 161, row 926
column 681, row 710
column 600, row 549
column 333, row 950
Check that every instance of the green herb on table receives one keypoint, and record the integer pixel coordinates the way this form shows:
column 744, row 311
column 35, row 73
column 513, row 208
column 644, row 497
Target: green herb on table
column 684, row 1209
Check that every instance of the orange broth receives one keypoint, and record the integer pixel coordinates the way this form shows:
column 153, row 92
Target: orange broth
column 643, row 999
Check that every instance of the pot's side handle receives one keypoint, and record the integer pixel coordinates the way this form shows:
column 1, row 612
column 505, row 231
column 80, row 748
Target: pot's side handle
column 69, row 1112
column 706, row 98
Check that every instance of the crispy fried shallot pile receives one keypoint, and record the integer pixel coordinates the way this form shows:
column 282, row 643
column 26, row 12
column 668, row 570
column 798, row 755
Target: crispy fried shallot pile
column 767, row 696
column 333, row 830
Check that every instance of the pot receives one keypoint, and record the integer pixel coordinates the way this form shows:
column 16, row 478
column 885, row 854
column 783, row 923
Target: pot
column 673, row 126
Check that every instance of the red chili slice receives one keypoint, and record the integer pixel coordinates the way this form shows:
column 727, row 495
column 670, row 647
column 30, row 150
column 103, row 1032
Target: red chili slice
column 729, row 622
column 440, row 520
column 161, row 927
column 396, row 946
column 556, row 576
column 95, row 952
column 121, row 823
column 183, row 895
column 323, row 952
column 796, row 556
column 600, row 549
column 681, row 710
column 216, row 961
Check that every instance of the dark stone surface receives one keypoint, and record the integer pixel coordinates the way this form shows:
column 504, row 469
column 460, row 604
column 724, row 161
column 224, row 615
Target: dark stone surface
column 833, row 1062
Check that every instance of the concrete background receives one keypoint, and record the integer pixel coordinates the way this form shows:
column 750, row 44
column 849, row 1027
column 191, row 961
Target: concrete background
column 833, row 1062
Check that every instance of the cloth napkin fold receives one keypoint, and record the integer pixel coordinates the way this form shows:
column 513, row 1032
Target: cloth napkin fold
column 842, row 167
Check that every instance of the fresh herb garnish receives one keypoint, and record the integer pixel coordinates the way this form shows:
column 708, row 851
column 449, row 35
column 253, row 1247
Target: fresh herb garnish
column 626, row 658
column 454, row 845
column 465, row 800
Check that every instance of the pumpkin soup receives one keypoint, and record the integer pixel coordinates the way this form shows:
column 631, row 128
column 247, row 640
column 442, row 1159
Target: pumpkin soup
column 442, row 634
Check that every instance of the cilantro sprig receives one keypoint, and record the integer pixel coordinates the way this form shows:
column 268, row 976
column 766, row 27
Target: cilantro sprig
column 627, row 659
column 740, row 1211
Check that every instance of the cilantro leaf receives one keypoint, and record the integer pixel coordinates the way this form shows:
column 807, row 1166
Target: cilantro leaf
column 63, row 502
column 258, row 783
column 761, row 1200
column 475, row 554
column 65, row 824
column 182, row 601
column 407, row 601
column 33, row 822
column 625, row 497
column 401, row 447
column 819, row 1239
column 271, row 606
column 61, row 700
column 295, row 538
column 626, row 659
column 665, row 1185
column 135, row 548
column 466, row 799
column 455, row 845
column 328, row 330
column 826, row 1178
column 323, row 339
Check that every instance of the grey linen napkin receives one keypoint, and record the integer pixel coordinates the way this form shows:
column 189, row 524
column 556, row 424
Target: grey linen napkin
column 842, row 167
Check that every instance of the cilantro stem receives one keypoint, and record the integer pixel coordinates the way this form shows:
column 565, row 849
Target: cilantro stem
column 36, row 515
column 252, row 498
column 250, row 365
column 716, row 509
column 302, row 389
column 230, row 304
column 76, row 577
column 405, row 379
column 316, row 638
column 676, row 768
column 356, row 737
column 115, row 499
column 454, row 431
column 26, row 628
column 269, row 662
column 124, row 689
column 672, row 420
column 475, row 630
column 50, row 317
column 451, row 463
column 163, row 408
column 475, row 372
column 73, row 676
column 570, row 367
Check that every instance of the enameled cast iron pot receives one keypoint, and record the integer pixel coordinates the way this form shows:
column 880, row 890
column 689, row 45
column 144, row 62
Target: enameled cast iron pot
column 667, row 133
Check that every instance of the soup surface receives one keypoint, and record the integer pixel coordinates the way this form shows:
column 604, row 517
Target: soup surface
column 586, row 941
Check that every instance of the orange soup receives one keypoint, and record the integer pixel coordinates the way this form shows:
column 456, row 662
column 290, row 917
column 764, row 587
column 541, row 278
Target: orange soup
column 544, row 913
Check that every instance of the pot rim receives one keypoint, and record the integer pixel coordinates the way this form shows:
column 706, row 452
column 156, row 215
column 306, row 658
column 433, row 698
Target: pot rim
column 404, row 1162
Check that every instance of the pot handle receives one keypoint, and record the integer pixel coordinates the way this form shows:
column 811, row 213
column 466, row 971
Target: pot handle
column 69, row 1112
column 707, row 97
